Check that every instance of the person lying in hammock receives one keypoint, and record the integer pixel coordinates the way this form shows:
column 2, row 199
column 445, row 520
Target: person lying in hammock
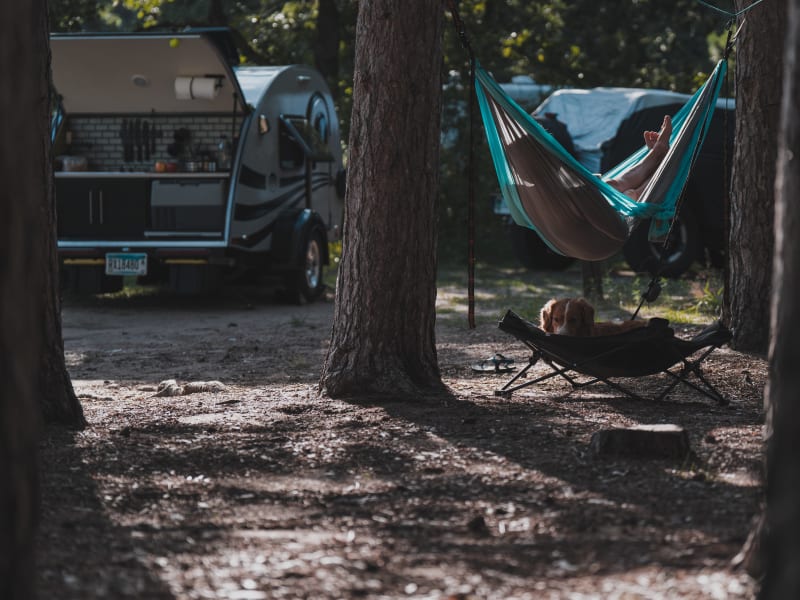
column 633, row 181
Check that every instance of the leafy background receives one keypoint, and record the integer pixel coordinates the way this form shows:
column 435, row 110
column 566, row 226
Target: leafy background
column 576, row 43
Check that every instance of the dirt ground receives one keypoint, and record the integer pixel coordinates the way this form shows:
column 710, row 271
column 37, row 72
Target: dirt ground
column 261, row 489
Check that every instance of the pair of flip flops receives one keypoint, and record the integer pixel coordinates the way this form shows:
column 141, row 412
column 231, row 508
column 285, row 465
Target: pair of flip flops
column 494, row 364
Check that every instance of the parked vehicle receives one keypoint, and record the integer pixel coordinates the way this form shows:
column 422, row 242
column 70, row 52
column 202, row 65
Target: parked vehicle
column 176, row 164
column 604, row 126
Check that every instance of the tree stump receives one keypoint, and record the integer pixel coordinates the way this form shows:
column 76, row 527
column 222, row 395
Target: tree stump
column 642, row 441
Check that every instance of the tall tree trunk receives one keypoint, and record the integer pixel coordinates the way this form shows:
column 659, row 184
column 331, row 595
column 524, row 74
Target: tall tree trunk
column 326, row 44
column 383, row 338
column 24, row 166
column 759, row 71
column 57, row 400
column 216, row 13
column 782, row 399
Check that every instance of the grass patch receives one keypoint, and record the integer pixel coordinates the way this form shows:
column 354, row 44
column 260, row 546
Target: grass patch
column 503, row 284
column 693, row 300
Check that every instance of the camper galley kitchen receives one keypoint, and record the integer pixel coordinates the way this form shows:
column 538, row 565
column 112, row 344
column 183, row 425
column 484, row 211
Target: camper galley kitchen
column 177, row 165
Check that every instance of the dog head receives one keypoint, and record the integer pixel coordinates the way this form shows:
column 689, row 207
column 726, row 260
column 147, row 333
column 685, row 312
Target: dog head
column 552, row 314
column 567, row 316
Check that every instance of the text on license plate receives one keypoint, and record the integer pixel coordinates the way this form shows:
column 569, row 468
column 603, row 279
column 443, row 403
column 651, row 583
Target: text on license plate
column 126, row 263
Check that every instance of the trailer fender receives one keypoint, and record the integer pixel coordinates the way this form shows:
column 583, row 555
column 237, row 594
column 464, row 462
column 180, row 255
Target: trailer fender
column 292, row 229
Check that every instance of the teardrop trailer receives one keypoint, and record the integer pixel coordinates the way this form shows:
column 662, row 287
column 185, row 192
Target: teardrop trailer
column 178, row 165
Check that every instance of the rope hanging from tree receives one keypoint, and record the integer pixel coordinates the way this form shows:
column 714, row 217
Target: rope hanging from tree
column 654, row 287
column 461, row 31
column 733, row 15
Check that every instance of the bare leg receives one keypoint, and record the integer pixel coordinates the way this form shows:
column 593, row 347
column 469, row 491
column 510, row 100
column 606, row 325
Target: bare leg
column 632, row 182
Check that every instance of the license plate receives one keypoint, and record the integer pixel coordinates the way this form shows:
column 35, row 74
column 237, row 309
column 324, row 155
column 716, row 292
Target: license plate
column 126, row 264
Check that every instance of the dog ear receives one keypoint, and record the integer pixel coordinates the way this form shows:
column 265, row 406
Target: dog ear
column 546, row 316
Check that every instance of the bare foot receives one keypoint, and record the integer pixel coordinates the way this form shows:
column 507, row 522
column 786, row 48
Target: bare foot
column 631, row 182
column 633, row 194
column 661, row 137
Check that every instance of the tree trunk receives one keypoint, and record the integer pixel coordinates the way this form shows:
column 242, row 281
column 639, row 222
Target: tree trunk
column 216, row 13
column 759, row 55
column 326, row 45
column 24, row 203
column 782, row 399
column 57, row 400
column 383, row 338
column 592, row 272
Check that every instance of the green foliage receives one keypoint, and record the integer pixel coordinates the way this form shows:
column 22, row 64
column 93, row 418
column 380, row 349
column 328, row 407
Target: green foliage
column 147, row 11
column 647, row 43
column 641, row 43
column 331, row 272
column 73, row 15
column 499, row 287
column 710, row 301
column 580, row 43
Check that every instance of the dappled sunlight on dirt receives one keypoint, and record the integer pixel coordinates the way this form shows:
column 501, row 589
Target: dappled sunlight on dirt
column 262, row 489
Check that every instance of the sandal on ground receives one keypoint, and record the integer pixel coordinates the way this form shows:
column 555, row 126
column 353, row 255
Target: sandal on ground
column 494, row 364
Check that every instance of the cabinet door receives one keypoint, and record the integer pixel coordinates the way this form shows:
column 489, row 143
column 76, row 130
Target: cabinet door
column 188, row 205
column 122, row 208
column 74, row 204
column 102, row 209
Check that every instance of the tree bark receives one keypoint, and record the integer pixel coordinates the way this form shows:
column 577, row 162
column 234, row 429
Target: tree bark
column 57, row 400
column 383, row 338
column 24, row 203
column 782, row 398
column 759, row 72
column 592, row 272
column 216, row 13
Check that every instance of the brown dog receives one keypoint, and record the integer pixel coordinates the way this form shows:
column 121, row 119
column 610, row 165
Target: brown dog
column 575, row 316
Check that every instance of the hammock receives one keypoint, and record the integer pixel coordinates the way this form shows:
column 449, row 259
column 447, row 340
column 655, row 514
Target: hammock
column 574, row 211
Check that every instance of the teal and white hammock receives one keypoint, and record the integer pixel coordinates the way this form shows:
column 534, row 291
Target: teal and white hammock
column 573, row 210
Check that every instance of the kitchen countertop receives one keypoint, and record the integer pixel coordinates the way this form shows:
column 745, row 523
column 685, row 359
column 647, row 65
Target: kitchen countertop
column 139, row 175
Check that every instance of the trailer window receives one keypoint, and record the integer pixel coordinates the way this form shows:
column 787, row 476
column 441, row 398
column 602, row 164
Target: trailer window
column 301, row 141
column 290, row 151
column 318, row 116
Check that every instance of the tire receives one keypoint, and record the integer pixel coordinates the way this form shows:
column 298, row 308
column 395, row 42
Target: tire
column 684, row 248
column 533, row 253
column 305, row 284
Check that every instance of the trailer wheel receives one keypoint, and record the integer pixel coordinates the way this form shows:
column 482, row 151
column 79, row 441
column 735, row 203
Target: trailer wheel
column 682, row 250
column 305, row 284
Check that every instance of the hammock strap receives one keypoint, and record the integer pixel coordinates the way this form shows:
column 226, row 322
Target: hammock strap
column 729, row 13
column 461, row 31
column 654, row 287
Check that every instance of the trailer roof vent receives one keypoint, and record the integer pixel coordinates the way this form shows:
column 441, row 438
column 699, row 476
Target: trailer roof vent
column 140, row 80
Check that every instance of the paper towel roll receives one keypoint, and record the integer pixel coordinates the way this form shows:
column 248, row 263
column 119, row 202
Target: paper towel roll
column 191, row 88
